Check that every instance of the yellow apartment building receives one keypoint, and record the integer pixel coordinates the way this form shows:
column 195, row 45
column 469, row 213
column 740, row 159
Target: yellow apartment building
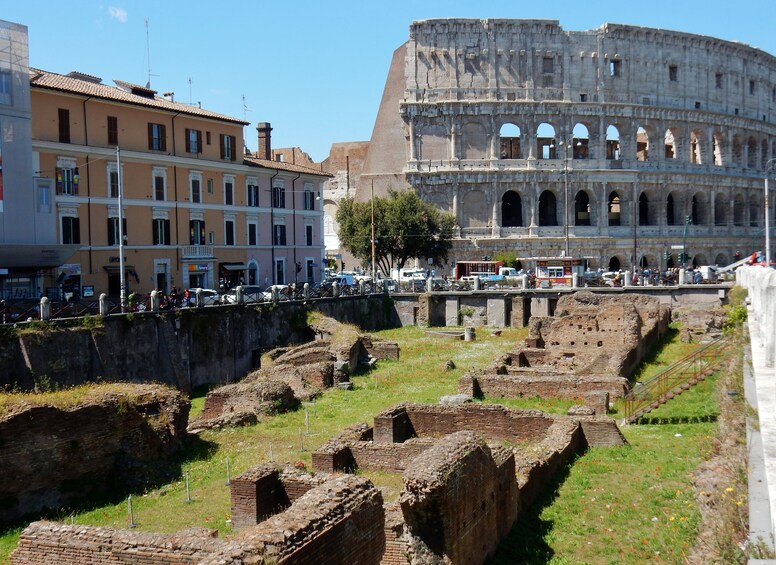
column 197, row 209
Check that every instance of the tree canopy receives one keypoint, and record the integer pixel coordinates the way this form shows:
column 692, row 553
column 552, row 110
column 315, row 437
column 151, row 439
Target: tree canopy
column 405, row 227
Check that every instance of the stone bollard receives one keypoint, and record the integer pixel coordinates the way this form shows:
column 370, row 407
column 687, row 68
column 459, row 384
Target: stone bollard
column 476, row 285
column 524, row 281
column 361, row 287
column 155, row 299
column 682, row 276
column 104, row 308
column 238, row 294
column 274, row 293
column 335, row 289
column 199, row 298
column 469, row 334
column 574, row 280
column 627, row 281
column 45, row 309
column 306, row 291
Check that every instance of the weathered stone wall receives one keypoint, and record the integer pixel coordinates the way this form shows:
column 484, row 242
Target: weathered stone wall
column 459, row 499
column 179, row 349
column 479, row 384
column 340, row 522
column 50, row 456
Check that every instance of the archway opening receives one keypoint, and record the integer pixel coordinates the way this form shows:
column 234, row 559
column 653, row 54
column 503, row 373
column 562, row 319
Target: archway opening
column 509, row 137
column 580, row 142
column 511, row 210
column 612, row 143
column 546, row 148
column 581, row 209
column 548, row 209
column 614, row 209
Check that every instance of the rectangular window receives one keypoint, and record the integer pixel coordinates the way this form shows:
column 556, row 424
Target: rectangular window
column 211, row 237
column 615, row 68
column 228, row 193
column 548, row 65
column 113, row 184
column 71, row 230
column 197, row 232
column 159, row 188
column 161, row 232
column 193, row 141
column 279, row 234
column 253, row 233
column 67, row 181
column 6, row 88
column 113, row 231
column 196, row 191
column 113, row 130
column 210, row 186
column 157, row 137
column 228, row 147
column 64, row 125
column 252, row 196
column 44, row 196
column 278, row 196
column 229, row 232
column 207, row 137
column 718, row 80
column 280, row 271
column 309, row 200
column 308, row 234
column 752, row 87
column 673, row 73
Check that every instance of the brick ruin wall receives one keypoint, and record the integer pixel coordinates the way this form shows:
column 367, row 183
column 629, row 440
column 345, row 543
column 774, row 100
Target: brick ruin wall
column 51, row 457
column 459, row 500
column 340, row 521
column 592, row 344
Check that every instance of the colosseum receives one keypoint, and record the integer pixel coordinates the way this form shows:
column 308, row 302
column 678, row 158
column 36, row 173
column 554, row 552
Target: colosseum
column 617, row 144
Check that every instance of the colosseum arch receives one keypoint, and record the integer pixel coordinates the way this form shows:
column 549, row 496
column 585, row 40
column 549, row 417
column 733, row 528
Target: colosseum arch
column 546, row 148
column 738, row 210
column 721, row 260
column 764, row 154
column 582, row 208
column 751, row 153
column 696, row 147
column 737, row 151
column 580, row 141
column 699, row 259
column 509, row 141
column 434, row 143
column 614, row 208
column 670, row 140
column 755, row 211
column 721, row 205
column 548, row 209
column 616, row 262
column 673, row 212
column 642, row 143
column 475, row 211
column 699, row 209
column 613, row 143
column 718, row 149
column 645, row 218
column 511, row 210
column 474, row 142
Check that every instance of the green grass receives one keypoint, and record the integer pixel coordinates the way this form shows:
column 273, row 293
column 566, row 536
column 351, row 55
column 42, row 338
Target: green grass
column 612, row 505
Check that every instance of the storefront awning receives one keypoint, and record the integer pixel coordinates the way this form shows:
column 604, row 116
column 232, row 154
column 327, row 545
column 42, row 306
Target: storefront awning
column 241, row 267
column 35, row 256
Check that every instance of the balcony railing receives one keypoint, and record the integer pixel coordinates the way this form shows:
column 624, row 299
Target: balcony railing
column 197, row 252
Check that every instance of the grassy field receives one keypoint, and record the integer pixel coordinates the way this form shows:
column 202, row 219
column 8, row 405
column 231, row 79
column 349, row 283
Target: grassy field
column 613, row 505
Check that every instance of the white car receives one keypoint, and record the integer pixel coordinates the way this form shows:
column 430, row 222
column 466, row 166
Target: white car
column 210, row 297
column 251, row 294
column 283, row 292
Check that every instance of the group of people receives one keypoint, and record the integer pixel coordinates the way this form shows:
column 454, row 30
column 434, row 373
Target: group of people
column 175, row 299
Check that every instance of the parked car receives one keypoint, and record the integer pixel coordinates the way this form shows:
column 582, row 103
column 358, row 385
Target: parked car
column 251, row 294
column 210, row 297
column 439, row 284
column 283, row 291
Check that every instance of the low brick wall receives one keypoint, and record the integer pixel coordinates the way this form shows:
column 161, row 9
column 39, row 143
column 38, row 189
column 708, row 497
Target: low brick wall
column 111, row 442
column 512, row 385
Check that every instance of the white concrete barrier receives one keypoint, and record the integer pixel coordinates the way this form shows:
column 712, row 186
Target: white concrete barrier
column 761, row 285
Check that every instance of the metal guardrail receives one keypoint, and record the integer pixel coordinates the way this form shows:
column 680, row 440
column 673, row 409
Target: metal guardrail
column 675, row 379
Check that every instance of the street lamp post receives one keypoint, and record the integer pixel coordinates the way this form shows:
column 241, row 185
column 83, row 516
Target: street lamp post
column 768, row 168
column 566, row 197
column 687, row 221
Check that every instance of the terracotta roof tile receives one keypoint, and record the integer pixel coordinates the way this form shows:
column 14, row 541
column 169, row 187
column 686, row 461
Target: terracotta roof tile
column 72, row 84
column 281, row 166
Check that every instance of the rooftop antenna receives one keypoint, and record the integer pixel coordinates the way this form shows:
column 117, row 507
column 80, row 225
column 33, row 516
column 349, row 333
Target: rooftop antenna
column 245, row 119
column 190, row 99
column 148, row 54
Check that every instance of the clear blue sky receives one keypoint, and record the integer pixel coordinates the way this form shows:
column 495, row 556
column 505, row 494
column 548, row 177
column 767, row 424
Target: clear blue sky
column 314, row 69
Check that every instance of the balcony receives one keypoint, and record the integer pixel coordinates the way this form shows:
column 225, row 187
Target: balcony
column 197, row 252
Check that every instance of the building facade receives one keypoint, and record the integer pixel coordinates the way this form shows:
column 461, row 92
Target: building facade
column 196, row 210
column 621, row 144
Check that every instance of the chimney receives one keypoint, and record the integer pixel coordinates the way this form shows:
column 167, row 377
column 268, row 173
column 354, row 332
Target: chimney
column 265, row 140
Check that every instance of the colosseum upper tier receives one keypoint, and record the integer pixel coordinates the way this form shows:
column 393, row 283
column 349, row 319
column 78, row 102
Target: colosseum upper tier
column 614, row 144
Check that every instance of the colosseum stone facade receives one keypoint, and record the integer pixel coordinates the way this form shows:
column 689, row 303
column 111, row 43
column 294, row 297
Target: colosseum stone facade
column 616, row 144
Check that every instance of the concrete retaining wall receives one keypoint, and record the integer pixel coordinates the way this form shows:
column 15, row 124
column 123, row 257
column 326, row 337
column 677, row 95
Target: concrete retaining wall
column 761, row 284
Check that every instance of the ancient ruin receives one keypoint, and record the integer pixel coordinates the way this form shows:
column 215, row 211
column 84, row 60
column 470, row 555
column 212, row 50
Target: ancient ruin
column 289, row 375
column 591, row 345
column 112, row 439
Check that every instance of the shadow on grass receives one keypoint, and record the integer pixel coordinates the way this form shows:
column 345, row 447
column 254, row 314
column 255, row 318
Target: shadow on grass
column 526, row 541
column 654, row 355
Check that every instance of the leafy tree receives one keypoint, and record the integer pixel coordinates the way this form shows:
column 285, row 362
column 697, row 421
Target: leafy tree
column 405, row 227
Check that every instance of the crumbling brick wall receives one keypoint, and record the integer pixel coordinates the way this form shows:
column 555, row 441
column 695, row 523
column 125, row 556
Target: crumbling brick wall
column 112, row 441
column 459, row 499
